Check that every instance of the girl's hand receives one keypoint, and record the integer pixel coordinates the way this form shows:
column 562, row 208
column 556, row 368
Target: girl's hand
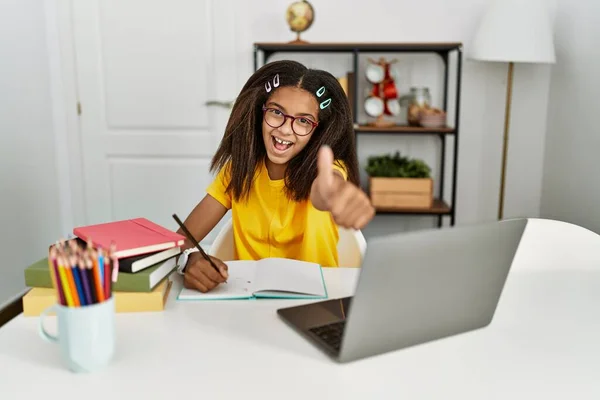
column 200, row 275
column 349, row 205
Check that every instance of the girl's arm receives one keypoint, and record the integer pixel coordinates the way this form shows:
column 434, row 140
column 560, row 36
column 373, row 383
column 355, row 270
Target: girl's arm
column 203, row 218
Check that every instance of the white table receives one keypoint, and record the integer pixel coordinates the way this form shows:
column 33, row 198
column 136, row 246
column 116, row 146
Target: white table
column 544, row 343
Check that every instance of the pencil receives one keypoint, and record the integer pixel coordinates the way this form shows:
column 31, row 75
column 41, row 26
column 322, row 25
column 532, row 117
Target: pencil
column 65, row 283
column 97, row 279
column 89, row 272
column 84, row 281
column 56, row 277
column 78, row 282
column 114, row 267
column 110, row 281
column 70, row 282
column 61, row 288
column 191, row 239
column 51, row 268
column 99, row 256
column 106, row 277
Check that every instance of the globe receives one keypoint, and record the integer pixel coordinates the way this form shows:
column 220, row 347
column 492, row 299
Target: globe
column 300, row 16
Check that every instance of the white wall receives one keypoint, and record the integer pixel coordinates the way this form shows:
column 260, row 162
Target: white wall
column 483, row 96
column 571, row 190
column 29, row 209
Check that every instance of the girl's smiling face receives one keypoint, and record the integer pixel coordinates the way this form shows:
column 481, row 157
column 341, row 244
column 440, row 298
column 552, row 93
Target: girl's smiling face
column 281, row 143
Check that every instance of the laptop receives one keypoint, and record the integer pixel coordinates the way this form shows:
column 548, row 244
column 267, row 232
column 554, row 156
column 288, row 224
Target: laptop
column 414, row 288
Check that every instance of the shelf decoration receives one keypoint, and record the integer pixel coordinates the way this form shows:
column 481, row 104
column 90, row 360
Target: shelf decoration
column 382, row 100
column 397, row 182
column 300, row 16
column 420, row 111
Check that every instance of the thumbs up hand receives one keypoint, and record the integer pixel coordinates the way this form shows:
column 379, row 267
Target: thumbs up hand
column 348, row 204
column 326, row 180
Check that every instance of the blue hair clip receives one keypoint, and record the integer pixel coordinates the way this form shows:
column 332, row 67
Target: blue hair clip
column 321, row 91
column 325, row 104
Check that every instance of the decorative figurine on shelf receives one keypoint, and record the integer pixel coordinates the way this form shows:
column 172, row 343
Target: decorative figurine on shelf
column 300, row 16
column 383, row 99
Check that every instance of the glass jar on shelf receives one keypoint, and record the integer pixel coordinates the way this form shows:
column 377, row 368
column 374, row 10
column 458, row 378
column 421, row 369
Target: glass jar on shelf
column 418, row 98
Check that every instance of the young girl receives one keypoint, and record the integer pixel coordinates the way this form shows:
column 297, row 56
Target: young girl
column 288, row 170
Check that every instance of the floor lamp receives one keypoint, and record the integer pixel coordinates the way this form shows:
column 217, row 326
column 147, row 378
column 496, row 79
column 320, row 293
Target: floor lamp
column 513, row 31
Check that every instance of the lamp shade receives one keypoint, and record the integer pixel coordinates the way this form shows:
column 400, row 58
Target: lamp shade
column 514, row 30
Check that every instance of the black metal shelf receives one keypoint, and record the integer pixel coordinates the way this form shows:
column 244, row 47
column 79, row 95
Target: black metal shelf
column 332, row 47
column 406, row 130
column 439, row 207
column 444, row 50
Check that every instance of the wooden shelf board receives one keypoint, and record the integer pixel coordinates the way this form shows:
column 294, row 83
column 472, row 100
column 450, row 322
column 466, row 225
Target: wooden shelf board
column 403, row 129
column 351, row 46
column 439, row 208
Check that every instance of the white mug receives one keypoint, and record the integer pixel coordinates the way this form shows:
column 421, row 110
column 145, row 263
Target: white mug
column 86, row 334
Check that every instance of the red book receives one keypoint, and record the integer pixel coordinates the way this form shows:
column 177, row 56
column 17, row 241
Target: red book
column 132, row 237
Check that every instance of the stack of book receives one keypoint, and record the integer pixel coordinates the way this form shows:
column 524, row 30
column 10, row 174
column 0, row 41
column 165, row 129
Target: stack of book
column 146, row 254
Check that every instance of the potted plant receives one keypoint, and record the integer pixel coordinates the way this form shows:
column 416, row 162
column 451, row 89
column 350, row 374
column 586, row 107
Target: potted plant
column 397, row 182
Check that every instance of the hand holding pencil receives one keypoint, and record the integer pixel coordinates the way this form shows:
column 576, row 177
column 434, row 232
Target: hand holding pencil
column 203, row 272
column 201, row 275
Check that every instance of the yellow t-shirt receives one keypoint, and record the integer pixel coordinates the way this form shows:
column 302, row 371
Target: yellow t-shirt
column 269, row 224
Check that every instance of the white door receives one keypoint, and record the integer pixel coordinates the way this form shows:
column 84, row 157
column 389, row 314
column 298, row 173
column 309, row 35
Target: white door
column 145, row 72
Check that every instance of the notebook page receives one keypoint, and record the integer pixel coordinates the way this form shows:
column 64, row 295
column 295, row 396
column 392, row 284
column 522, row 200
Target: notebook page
column 289, row 277
column 239, row 284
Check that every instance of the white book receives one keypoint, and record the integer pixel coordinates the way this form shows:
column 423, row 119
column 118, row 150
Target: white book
column 279, row 278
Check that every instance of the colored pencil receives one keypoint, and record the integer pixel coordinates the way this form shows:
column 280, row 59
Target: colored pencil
column 53, row 265
column 97, row 279
column 114, row 265
column 71, row 283
column 65, row 284
column 78, row 283
column 61, row 289
column 86, row 283
column 81, row 275
column 101, row 265
column 90, row 274
column 106, row 278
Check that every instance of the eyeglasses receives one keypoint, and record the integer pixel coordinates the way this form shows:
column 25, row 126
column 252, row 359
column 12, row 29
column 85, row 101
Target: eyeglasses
column 301, row 126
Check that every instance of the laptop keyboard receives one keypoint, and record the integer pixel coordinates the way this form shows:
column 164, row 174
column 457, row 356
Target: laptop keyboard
column 331, row 334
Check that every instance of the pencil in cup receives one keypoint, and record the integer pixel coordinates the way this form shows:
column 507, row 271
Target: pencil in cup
column 80, row 276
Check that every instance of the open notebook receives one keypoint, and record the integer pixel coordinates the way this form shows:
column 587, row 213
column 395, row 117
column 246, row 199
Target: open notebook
column 279, row 278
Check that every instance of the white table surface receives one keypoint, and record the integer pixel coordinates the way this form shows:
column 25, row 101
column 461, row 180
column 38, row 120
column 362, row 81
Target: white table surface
column 544, row 343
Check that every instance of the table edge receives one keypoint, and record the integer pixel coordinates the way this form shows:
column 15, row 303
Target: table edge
column 12, row 308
